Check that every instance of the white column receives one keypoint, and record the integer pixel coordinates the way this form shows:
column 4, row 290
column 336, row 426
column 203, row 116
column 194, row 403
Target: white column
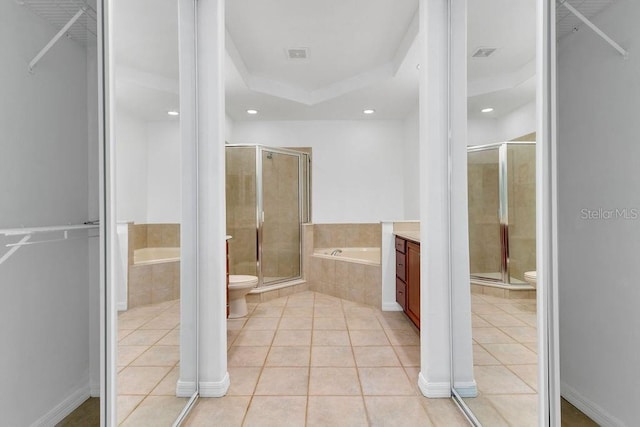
column 435, row 369
column 213, row 377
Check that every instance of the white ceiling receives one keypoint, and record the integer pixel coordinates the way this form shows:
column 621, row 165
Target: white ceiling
column 362, row 54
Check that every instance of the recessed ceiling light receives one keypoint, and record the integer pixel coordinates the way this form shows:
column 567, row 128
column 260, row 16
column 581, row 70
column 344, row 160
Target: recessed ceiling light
column 173, row 113
column 369, row 111
column 487, row 110
column 252, row 111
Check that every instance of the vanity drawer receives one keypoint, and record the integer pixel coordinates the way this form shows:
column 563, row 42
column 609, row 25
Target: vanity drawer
column 401, row 245
column 401, row 270
column 401, row 293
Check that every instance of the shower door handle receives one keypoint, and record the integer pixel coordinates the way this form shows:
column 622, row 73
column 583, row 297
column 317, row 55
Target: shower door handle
column 262, row 217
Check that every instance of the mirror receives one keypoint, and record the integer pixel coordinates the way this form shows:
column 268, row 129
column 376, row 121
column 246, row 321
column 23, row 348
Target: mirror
column 156, row 346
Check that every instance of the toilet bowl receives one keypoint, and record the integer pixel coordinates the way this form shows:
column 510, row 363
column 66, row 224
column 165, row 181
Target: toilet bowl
column 239, row 287
column 530, row 277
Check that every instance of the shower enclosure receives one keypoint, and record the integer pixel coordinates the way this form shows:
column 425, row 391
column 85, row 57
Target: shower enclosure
column 502, row 212
column 267, row 194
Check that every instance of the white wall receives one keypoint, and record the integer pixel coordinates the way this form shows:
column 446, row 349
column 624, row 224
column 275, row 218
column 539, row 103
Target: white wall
column 411, row 167
column 521, row 121
column 357, row 165
column 131, row 167
column 598, row 164
column 44, row 174
column 164, row 173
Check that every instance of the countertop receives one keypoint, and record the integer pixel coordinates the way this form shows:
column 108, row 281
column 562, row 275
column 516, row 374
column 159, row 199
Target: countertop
column 409, row 235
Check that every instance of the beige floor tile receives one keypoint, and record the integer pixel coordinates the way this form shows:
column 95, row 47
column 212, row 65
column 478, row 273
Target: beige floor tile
column 159, row 355
column 276, row 411
column 363, row 323
column 444, row 412
column 144, row 337
column 128, row 353
column 512, row 354
column 483, row 357
column 236, row 324
column 375, row 356
column 396, row 323
column 412, row 373
column 327, row 311
column 528, row 374
column 283, row 382
column 334, row 382
column 293, row 356
column 369, row 337
column 531, row 346
column 403, row 337
column 264, row 310
column 330, row 337
column 131, row 323
column 336, row 411
column 295, row 323
column 385, row 382
column 247, row 356
column 409, row 355
column 155, row 411
column 330, row 323
column 518, row 410
column 292, row 337
column 485, row 412
column 502, row 319
column 226, row 411
column 123, row 333
column 254, row 338
column 499, row 380
column 140, row 380
column 172, row 338
column 243, row 380
column 297, row 311
column 529, row 319
column 392, row 411
column 125, row 405
column 332, row 356
column 167, row 387
column 262, row 324
column 521, row 334
column 491, row 335
column 162, row 322
column 484, row 308
column 479, row 322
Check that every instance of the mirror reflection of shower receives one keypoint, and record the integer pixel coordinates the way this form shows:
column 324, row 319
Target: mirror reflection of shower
column 267, row 195
column 502, row 213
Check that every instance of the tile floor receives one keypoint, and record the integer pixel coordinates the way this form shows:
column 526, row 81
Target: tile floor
column 148, row 355
column 311, row 359
column 505, row 361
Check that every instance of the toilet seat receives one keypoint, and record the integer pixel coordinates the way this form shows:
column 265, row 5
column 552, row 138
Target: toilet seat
column 238, row 281
column 530, row 275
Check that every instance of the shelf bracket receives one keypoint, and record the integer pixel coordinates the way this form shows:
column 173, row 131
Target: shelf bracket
column 597, row 30
column 14, row 248
column 55, row 38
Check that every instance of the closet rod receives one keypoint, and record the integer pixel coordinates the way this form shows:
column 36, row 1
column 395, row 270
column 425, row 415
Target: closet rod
column 597, row 30
column 32, row 230
column 55, row 38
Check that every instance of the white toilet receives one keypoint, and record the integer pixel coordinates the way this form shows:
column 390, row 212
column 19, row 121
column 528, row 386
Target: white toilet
column 239, row 287
column 530, row 277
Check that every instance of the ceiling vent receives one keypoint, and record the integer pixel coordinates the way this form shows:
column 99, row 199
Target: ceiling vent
column 484, row 52
column 298, row 53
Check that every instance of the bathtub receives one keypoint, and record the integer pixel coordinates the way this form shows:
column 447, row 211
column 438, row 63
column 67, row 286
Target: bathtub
column 369, row 256
column 147, row 256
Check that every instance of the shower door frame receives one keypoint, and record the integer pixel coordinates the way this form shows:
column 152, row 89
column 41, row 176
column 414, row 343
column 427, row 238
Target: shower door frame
column 503, row 210
column 302, row 182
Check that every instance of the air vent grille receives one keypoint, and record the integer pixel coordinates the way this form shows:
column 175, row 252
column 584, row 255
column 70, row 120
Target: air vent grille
column 298, row 53
column 484, row 52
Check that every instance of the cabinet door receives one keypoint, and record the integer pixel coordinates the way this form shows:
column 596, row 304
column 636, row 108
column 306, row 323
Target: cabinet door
column 413, row 282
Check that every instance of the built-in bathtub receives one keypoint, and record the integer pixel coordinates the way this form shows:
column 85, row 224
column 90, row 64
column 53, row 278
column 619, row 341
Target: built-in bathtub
column 369, row 256
column 154, row 276
column 147, row 256
column 351, row 273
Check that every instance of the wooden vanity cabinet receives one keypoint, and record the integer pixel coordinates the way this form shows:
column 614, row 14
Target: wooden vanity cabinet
column 408, row 278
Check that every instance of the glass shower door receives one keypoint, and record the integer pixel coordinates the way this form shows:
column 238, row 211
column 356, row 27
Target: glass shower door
column 485, row 235
column 281, row 211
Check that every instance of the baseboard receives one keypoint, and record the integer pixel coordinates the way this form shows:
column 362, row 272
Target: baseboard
column 185, row 388
column 433, row 389
column 94, row 390
column 121, row 306
column 391, row 306
column 64, row 408
column 466, row 388
column 590, row 409
column 214, row 389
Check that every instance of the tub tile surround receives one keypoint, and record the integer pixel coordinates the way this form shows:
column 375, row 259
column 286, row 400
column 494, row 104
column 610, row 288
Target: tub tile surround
column 361, row 283
column 154, row 283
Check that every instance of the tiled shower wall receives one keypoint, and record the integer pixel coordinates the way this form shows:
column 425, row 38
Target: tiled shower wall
column 153, row 283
